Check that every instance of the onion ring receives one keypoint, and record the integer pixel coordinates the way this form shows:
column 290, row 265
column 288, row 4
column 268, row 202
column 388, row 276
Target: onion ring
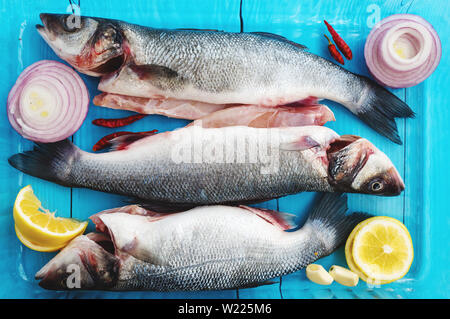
column 402, row 50
column 48, row 102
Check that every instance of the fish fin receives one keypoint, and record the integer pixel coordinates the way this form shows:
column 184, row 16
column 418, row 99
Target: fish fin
column 124, row 141
column 259, row 284
column 379, row 110
column 309, row 101
column 329, row 222
column 151, row 71
column 166, row 207
column 248, row 202
column 280, row 38
column 158, row 207
column 281, row 220
column 51, row 161
column 303, row 143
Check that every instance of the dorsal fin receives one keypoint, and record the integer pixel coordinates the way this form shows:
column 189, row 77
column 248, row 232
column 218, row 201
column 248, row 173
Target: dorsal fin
column 281, row 220
column 280, row 38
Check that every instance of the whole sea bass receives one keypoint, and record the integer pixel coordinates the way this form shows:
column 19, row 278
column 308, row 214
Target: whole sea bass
column 205, row 248
column 211, row 67
column 203, row 166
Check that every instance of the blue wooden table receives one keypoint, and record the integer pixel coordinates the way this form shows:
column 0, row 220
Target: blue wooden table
column 421, row 160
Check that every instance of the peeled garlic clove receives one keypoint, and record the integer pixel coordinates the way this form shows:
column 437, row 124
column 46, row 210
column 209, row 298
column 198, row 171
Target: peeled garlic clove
column 344, row 276
column 318, row 274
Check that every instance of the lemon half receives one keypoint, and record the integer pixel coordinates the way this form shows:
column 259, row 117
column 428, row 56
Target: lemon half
column 39, row 229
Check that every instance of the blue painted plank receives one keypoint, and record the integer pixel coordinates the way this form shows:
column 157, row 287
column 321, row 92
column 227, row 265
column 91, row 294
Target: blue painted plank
column 158, row 14
column 301, row 22
column 21, row 47
column 429, row 212
column 20, row 19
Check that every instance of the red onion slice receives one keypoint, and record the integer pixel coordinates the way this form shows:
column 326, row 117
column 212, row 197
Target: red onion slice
column 48, row 103
column 402, row 50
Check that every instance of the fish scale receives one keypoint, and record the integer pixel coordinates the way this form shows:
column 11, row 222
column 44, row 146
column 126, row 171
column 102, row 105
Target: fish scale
column 257, row 258
column 254, row 68
column 205, row 248
column 252, row 269
column 152, row 175
column 247, row 63
column 197, row 166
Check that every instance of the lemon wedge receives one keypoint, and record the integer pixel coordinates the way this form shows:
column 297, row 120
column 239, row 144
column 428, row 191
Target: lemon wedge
column 379, row 250
column 39, row 229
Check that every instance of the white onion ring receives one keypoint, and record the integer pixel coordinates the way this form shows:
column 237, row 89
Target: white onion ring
column 62, row 85
column 386, row 66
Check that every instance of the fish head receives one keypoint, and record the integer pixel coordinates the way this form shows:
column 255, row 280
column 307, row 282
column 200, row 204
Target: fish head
column 83, row 264
column 93, row 46
column 356, row 166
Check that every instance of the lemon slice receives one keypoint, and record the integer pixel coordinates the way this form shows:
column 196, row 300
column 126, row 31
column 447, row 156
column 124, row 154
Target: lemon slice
column 381, row 249
column 38, row 228
column 349, row 257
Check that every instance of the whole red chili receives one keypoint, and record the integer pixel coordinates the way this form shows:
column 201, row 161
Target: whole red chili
column 345, row 49
column 112, row 123
column 334, row 52
column 105, row 141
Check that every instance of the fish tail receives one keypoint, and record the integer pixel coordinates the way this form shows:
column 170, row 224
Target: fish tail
column 52, row 161
column 329, row 222
column 378, row 108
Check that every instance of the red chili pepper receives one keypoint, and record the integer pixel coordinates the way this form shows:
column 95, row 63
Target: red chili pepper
column 112, row 123
column 105, row 141
column 345, row 49
column 334, row 52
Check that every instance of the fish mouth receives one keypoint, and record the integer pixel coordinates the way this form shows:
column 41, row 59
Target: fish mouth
column 44, row 18
column 43, row 29
column 42, row 32
column 397, row 186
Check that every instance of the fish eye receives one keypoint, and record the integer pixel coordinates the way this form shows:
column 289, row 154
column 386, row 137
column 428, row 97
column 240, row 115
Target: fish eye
column 376, row 186
column 71, row 23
